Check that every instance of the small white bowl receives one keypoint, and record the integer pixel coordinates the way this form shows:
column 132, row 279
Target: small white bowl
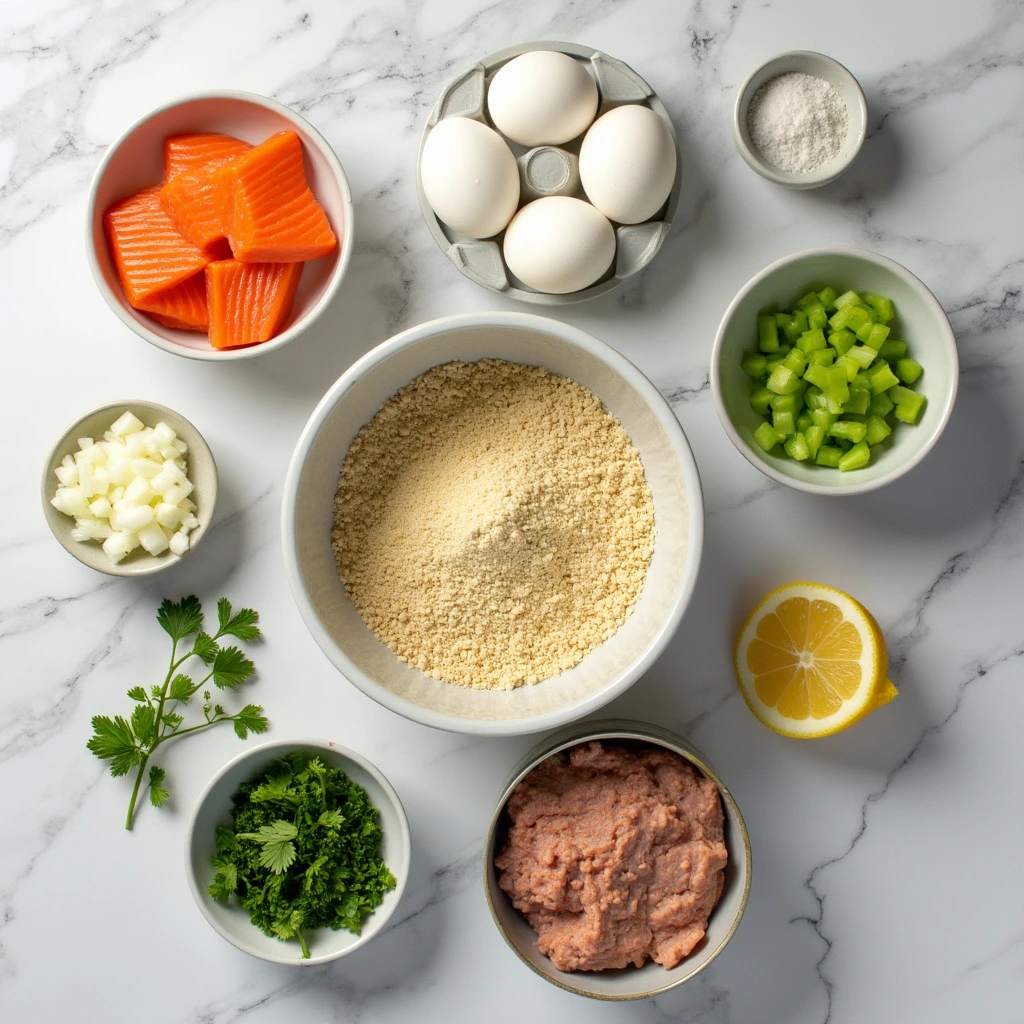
column 135, row 161
column 920, row 321
column 307, row 518
column 213, row 808
column 809, row 63
column 630, row 982
column 202, row 471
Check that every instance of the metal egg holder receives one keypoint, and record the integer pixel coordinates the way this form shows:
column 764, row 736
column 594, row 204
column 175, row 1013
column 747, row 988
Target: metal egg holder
column 548, row 171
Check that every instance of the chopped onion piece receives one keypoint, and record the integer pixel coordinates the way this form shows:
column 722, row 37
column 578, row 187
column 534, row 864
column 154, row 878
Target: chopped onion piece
column 126, row 423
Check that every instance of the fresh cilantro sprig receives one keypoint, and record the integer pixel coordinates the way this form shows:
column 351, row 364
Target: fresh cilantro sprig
column 129, row 743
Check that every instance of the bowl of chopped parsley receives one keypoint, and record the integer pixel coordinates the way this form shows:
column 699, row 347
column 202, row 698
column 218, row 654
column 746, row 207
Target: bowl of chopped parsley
column 298, row 852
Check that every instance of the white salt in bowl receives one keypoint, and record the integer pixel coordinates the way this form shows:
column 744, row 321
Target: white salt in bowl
column 809, row 63
column 307, row 519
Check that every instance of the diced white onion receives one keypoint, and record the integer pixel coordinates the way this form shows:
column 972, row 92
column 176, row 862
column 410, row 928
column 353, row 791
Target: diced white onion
column 126, row 423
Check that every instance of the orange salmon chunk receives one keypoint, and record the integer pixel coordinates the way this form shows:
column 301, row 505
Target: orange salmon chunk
column 249, row 302
column 182, row 307
column 195, row 150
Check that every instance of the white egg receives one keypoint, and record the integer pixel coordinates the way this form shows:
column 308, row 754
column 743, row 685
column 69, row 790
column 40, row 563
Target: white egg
column 469, row 177
column 628, row 163
column 542, row 98
column 558, row 244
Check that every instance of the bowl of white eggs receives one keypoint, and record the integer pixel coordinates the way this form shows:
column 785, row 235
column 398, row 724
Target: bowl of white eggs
column 549, row 172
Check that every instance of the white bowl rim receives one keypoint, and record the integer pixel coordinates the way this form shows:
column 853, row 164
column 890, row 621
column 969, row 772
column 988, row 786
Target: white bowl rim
column 945, row 333
column 572, row 336
column 333, row 282
column 287, row 746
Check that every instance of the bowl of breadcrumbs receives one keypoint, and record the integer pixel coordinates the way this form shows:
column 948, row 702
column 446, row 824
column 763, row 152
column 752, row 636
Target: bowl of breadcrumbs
column 492, row 523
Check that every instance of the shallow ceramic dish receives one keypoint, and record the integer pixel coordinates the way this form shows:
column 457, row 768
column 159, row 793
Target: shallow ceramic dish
column 809, row 63
column 135, row 160
column 548, row 171
column 920, row 321
column 213, row 808
column 308, row 512
column 202, row 471
column 628, row 983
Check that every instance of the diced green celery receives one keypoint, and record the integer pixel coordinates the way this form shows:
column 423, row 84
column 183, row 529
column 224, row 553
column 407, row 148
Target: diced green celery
column 795, row 360
column 821, row 357
column 897, row 393
column 767, row 333
column 842, row 341
column 879, row 332
column 783, row 380
column 882, row 378
column 823, row 418
column 814, row 398
column 828, row 455
column 908, row 408
column 841, row 317
column 818, row 376
column 809, row 302
column 858, row 318
column 892, row 349
column 864, row 355
column 784, row 423
column 880, row 405
column 877, row 430
column 787, row 403
column 849, row 366
column 864, row 331
column 849, row 430
column 803, row 421
column 754, row 365
column 796, row 448
column 857, row 457
column 833, row 406
column 908, row 370
column 882, row 306
column 860, row 382
column 790, row 326
column 846, row 299
column 858, row 403
column 827, row 296
column 811, row 341
column 817, row 318
column 775, row 359
column 766, row 436
column 815, row 438
column 760, row 400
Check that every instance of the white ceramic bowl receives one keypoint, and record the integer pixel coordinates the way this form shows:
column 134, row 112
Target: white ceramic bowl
column 202, row 471
column 809, row 63
column 920, row 321
column 630, row 982
column 213, row 808
column 135, row 160
column 308, row 511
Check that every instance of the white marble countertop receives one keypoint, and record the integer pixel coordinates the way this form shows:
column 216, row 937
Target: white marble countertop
column 887, row 871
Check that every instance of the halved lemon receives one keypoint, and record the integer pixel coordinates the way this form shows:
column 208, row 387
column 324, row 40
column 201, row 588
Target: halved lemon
column 811, row 661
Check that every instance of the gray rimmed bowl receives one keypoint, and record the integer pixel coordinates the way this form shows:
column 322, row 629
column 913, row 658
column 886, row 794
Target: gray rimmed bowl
column 213, row 808
column 810, row 63
column 628, row 983
column 481, row 260
column 202, row 471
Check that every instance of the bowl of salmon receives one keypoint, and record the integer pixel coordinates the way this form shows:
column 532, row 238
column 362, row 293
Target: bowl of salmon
column 219, row 226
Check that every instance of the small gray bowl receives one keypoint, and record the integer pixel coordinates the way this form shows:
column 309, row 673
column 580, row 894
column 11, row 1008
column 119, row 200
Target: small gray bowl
column 809, row 63
column 202, row 471
column 630, row 982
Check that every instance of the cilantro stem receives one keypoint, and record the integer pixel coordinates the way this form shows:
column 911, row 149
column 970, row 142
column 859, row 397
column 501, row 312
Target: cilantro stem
column 135, row 792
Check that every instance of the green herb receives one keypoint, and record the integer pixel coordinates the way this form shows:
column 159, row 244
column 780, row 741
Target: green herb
column 303, row 851
column 129, row 743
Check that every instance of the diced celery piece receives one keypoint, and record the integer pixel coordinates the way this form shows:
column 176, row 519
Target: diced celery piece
column 858, row 403
column 878, row 334
column 842, row 341
column 877, row 430
column 828, row 455
column 766, row 436
column 784, row 423
column 850, row 367
column 846, row 429
column 880, row 405
column 823, row 418
column 767, row 333
column 857, row 318
column 795, row 360
column 882, row 306
column 908, row 370
column 827, row 296
column 841, row 317
column 814, row 398
column 864, row 331
column 815, row 438
column 817, row 318
column 864, row 355
column 811, row 341
column 789, row 326
column 808, row 302
column 783, row 381
column 833, row 406
column 846, row 299
column 787, row 403
column 860, row 382
column 897, row 393
column 892, row 349
column 857, row 457
column 803, row 421
column 818, row 376
column 908, row 408
column 800, row 321
column 821, row 357
column 754, row 365
column 775, row 359
column 796, row 448
column 882, row 378
column 760, row 400
column 838, row 388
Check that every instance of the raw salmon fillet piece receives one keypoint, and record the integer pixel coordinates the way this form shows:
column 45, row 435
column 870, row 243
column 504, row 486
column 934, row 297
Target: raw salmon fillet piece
column 248, row 302
column 148, row 252
column 195, row 150
column 271, row 214
column 190, row 196
column 183, row 306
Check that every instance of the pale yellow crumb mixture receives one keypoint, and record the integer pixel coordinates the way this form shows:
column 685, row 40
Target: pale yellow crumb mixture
column 493, row 523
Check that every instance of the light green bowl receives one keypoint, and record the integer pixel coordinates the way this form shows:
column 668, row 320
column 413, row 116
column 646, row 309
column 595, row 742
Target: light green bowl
column 920, row 321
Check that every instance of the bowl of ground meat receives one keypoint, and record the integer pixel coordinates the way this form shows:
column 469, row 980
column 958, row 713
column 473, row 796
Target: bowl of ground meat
column 617, row 864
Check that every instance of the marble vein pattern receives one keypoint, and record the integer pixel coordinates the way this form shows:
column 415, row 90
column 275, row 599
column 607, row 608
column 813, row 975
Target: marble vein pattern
column 888, row 884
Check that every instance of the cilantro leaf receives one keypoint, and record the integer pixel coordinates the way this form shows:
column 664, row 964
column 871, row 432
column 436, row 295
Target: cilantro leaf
column 181, row 688
column 171, row 719
column 113, row 741
column 144, row 724
column 205, row 647
column 181, row 619
column 250, row 720
column 225, row 882
column 278, row 849
column 137, row 693
column 330, row 819
column 158, row 794
column 231, row 667
column 242, row 625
